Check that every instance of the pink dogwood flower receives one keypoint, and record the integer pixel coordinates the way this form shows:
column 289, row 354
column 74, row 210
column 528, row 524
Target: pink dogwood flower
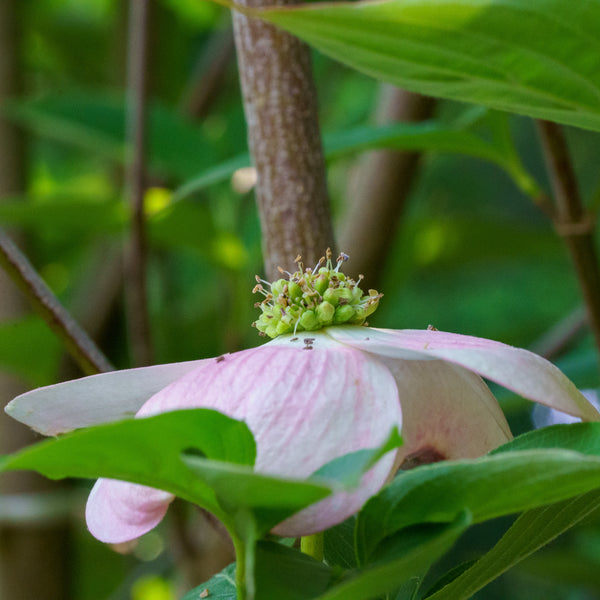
column 311, row 397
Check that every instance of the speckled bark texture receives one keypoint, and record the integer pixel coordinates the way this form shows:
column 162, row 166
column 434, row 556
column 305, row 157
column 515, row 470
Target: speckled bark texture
column 285, row 142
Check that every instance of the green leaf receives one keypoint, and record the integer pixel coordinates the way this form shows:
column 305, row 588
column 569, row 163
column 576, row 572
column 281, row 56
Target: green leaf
column 129, row 451
column 539, row 59
column 488, row 487
column 96, row 122
column 65, row 217
column 265, row 499
column 338, row 545
column 281, row 573
column 565, row 565
column 430, row 135
column 211, row 175
column 581, row 437
column 349, row 468
column 400, row 563
column 530, row 532
column 287, row 573
column 219, row 587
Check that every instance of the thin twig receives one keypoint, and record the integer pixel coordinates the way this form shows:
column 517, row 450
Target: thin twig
column 78, row 343
column 135, row 263
column 572, row 221
column 553, row 342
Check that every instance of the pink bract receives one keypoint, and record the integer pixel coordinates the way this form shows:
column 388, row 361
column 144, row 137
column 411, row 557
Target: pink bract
column 309, row 402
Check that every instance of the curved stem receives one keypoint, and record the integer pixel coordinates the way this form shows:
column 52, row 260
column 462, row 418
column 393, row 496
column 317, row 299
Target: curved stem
column 313, row 545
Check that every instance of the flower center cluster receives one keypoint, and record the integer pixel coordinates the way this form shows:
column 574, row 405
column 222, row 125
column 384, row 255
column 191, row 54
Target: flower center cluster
column 311, row 299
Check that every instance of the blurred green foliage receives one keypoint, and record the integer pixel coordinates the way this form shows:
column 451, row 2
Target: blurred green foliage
column 473, row 255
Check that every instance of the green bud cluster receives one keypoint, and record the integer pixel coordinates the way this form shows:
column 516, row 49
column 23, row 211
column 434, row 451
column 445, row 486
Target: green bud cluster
column 311, row 299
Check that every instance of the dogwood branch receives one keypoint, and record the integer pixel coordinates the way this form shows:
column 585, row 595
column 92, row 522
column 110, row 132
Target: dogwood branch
column 571, row 221
column 135, row 264
column 78, row 343
column 285, row 142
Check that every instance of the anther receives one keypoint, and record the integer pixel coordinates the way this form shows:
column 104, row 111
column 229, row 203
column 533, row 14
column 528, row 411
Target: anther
column 342, row 258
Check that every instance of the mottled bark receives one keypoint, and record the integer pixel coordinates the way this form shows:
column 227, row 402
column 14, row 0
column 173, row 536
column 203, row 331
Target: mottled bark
column 285, row 143
column 33, row 558
column 379, row 189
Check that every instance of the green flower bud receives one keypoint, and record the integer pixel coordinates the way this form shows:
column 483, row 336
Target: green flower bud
column 271, row 330
column 330, row 296
column 344, row 294
column 360, row 314
column 283, row 327
column 325, row 313
column 294, row 290
column 371, row 308
column 310, row 300
column 309, row 321
column 321, row 283
column 343, row 314
column 277, row 287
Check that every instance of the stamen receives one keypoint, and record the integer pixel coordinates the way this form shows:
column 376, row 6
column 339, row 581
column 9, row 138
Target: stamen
column 259, row 280
column 258, row 288
column 283, row 272
column 321, row 261
column 342, row 258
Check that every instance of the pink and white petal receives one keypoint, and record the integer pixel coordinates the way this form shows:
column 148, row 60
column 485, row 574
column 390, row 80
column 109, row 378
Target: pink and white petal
column 448, row 412
column 118, row 511
column 306, row 404
column 92, row 400
column 521, row 371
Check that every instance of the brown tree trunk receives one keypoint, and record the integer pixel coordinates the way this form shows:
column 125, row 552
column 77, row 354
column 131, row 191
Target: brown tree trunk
column 380, row 187
column 283, row 133
column 33, row 550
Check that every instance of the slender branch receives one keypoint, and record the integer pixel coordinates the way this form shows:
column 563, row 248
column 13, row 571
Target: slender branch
column 572, row 222
column 380, row 187
column 553, row 342
column 283, row 133
column 135, row 263
column 79, row 345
